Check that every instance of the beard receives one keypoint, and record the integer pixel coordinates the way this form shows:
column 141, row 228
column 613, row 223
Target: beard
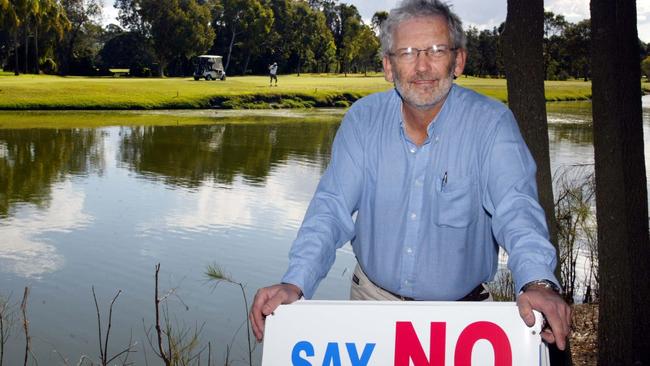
column 426, row 98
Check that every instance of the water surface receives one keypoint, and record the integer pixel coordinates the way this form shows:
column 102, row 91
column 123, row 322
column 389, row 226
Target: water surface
column 82, row 207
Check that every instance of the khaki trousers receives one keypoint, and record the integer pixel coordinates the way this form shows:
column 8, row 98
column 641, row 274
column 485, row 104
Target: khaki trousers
column 367, row 290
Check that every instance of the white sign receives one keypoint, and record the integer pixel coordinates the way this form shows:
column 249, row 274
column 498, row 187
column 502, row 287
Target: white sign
column 360, row 333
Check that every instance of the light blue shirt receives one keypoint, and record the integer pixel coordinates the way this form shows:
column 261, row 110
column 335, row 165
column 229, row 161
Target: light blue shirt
column 428, row 218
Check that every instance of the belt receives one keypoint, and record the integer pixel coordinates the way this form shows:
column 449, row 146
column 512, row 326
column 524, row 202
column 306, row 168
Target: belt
column 479, row 293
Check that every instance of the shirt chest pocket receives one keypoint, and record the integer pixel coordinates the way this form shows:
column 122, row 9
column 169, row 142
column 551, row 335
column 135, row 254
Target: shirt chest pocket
column 457, row 202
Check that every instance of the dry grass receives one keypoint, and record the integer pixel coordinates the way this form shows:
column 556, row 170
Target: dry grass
column 584, row 335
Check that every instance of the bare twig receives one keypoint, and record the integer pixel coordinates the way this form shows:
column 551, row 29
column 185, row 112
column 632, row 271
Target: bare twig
column 108, row 329
column 6, row 321
column 103, row 349
column 99, row 326
column 163, row 355
column 23, row 308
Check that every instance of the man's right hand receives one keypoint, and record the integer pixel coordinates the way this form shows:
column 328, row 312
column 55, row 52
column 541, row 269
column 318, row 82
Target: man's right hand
column 268, row 299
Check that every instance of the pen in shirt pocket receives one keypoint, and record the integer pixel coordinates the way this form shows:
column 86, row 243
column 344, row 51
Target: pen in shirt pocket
column 443, row 182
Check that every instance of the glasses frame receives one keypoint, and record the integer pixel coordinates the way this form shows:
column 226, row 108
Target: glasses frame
column 411, row 54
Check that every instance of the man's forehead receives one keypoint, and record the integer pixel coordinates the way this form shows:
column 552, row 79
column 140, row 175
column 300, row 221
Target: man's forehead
column 422, row 26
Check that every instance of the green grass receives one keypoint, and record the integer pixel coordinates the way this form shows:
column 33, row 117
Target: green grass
column 34, row 92
column 93, row 119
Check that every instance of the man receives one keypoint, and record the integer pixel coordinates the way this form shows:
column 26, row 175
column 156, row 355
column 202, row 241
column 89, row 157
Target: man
column 437, row 175
column 273, row 72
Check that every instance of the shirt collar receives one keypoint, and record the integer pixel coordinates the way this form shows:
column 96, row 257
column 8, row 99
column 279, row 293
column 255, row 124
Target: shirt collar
column 439, row 121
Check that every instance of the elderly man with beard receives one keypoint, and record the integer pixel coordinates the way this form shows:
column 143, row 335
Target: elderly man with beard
column 426, row 181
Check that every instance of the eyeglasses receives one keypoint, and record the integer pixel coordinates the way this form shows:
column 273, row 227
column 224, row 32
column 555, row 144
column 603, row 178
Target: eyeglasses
column 410, row 54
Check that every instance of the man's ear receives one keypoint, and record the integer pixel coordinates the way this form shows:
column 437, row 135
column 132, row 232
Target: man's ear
column 388, row 70
column 461, row 59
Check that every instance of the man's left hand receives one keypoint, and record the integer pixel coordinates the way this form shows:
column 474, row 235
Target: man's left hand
column 556, row 311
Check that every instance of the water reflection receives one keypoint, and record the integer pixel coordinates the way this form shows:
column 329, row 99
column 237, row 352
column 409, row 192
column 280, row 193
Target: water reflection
column 187, row 156
column 25, row 251
column 32, row 160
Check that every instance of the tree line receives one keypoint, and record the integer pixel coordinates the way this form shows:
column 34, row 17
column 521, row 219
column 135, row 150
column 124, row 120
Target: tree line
column 67, row 37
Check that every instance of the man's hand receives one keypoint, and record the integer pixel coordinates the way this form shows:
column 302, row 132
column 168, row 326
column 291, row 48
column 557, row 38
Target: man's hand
column 268, row 299
column 555, row 310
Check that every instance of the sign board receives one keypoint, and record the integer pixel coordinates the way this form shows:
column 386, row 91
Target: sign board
column 360, row 333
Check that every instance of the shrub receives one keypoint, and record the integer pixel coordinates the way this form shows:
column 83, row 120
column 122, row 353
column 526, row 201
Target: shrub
column 48, row 66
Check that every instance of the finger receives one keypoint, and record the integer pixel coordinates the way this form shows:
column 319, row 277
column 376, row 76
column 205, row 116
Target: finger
column 548, row 337
column 526, row 310
column 257, row 317
column 273, row 303
column 560, row 326
column 256, row 330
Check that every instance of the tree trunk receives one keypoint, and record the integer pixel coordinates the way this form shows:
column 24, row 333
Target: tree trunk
column 26, row 47
column 248, row 58
column 524, row 66
column 621, row 187
column 161, row 68
column 232, row 42
column 36, row 60
column 16, row 44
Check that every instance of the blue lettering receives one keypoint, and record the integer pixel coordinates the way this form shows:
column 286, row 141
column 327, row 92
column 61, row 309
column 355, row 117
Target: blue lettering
column 355, row 360
column 296, row 359
column 332, row 356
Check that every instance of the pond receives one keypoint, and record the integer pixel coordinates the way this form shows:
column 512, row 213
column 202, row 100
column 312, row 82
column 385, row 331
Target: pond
column 99, row 207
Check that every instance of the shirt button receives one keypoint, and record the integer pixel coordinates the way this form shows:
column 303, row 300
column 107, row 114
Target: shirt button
column 437, row 138
column 413, row 216
column 409, row 250
column 418, row 182
column 406, row 282
column 413, row 150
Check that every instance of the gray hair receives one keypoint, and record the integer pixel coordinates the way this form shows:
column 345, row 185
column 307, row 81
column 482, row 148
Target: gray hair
column 409, row 9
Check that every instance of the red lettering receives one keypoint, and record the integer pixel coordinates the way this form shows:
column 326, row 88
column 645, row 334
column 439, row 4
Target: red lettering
column 491, row 333
column 408, row 346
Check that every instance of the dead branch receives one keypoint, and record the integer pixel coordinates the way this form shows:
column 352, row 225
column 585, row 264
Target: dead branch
column 23, row 308
column 163, row 355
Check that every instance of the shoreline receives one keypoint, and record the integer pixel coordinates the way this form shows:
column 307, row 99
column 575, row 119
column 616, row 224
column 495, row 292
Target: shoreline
column 44, row 92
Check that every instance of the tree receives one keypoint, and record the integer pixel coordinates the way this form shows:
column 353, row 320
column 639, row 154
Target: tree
column 347, row 31
column 524, row 65
column 238, row 16
column 11, row 21
column 79, row 44
column 489, row 48
column 578, row 41
column 473, row 54
column 645, row 67
column 127, row 50
column 621, row 190
column 368, row 49
column 324, row 48
column 378, row 19
column 178, row 29
column 257, row 31
column 554, row 24
column 48, row 16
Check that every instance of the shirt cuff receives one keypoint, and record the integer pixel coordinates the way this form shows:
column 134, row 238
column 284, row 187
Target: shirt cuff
column 303, row 278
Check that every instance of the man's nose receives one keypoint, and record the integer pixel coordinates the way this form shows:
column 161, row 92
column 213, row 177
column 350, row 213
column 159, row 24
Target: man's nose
column 422, row 62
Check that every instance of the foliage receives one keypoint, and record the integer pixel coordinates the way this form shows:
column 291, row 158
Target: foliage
column 81, row 41
column 645, row 67
column 126, row 50
column 176, row 29
column 576, row 228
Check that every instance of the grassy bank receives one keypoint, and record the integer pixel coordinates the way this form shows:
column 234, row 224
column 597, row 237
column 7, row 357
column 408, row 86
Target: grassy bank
column 34, row 92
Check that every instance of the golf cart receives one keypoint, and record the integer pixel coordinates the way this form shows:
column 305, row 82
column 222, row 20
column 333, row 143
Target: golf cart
column 209, row 67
